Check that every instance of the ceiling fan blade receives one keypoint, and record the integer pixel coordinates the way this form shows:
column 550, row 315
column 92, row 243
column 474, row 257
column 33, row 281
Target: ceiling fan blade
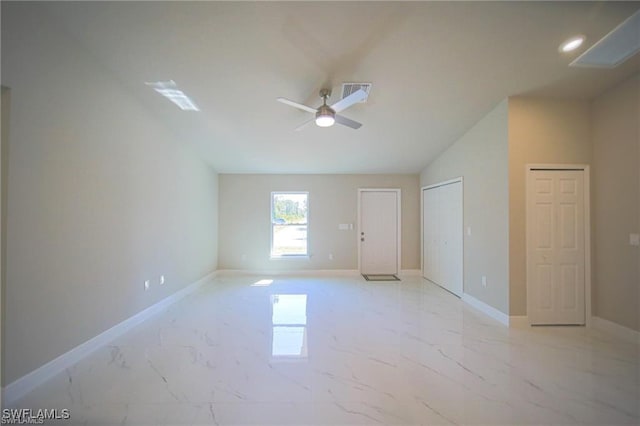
column 355, row 97
column 296, row 105
column 303, row 125
column 340, row 119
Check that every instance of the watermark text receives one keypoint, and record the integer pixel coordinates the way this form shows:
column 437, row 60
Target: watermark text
column 29, row 416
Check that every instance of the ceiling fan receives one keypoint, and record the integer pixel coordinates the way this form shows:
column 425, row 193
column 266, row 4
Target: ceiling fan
column 325, row 115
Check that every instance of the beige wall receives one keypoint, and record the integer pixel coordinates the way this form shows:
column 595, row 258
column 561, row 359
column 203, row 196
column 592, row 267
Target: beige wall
column 245, row 219
column 616, row 203
column 480, row 157
column 4, row 140
column 491, row 155
column 540, row 131
column 100, row 198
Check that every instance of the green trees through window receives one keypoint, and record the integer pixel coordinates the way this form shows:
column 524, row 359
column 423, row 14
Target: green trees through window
column 290, row 208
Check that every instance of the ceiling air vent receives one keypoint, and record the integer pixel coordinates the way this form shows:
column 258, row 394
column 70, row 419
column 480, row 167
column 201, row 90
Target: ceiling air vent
column 614, row 48
column 349, row 88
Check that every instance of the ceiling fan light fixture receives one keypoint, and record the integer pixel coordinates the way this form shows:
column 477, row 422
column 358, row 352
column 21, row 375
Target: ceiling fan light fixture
column 325, row 117
column 325, row 121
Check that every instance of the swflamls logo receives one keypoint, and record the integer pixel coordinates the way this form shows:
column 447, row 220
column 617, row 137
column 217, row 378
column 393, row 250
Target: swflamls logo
column 23, row 416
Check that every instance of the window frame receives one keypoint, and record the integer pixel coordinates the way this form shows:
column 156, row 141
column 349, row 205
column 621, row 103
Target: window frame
column 273, row 256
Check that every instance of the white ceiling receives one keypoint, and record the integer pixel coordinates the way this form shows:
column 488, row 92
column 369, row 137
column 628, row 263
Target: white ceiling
column 436, row 68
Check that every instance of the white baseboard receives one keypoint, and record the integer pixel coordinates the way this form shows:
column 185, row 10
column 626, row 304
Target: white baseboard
column 290, row 272
column 519, row 321
column 617, row 330
column 486, row 309
column 308, row 272
column 22, row 386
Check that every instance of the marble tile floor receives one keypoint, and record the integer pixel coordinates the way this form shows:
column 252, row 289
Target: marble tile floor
column 261, row 350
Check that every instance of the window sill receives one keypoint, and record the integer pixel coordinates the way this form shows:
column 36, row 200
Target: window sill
column 290, row 257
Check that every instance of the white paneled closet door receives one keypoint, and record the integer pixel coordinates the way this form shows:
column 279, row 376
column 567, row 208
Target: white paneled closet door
column 442, row 235
column 556, row 247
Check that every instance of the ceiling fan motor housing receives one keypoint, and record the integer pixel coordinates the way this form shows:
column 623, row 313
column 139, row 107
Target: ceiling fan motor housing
column 325, row 110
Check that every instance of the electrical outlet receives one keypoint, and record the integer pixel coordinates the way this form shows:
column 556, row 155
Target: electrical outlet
column 330, row 256
column 484, row 281
column 146, row 285
column 161, row 279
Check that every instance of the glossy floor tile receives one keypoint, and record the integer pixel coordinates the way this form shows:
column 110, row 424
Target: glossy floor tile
column 339, row 350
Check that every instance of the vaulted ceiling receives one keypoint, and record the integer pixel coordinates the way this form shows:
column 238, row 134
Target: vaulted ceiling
column 436, row 68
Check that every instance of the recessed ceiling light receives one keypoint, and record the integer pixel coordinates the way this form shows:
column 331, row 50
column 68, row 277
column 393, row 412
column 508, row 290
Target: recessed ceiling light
column 572, row 44
column 169, row 89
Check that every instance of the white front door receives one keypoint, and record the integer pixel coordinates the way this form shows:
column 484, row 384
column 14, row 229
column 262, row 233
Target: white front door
column 379, row 231
column 556, row 247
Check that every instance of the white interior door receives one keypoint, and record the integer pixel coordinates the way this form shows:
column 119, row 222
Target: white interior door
column 442, row 238
column 556, row 247
column 379, row 231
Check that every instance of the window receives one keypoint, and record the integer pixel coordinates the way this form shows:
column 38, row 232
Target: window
column 289, row 211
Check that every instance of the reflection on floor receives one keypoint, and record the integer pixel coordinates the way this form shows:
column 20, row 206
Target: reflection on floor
column 265, row 350
column 289, row 320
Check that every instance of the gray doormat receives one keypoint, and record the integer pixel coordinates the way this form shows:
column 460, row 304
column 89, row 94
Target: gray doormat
column 381, row 277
